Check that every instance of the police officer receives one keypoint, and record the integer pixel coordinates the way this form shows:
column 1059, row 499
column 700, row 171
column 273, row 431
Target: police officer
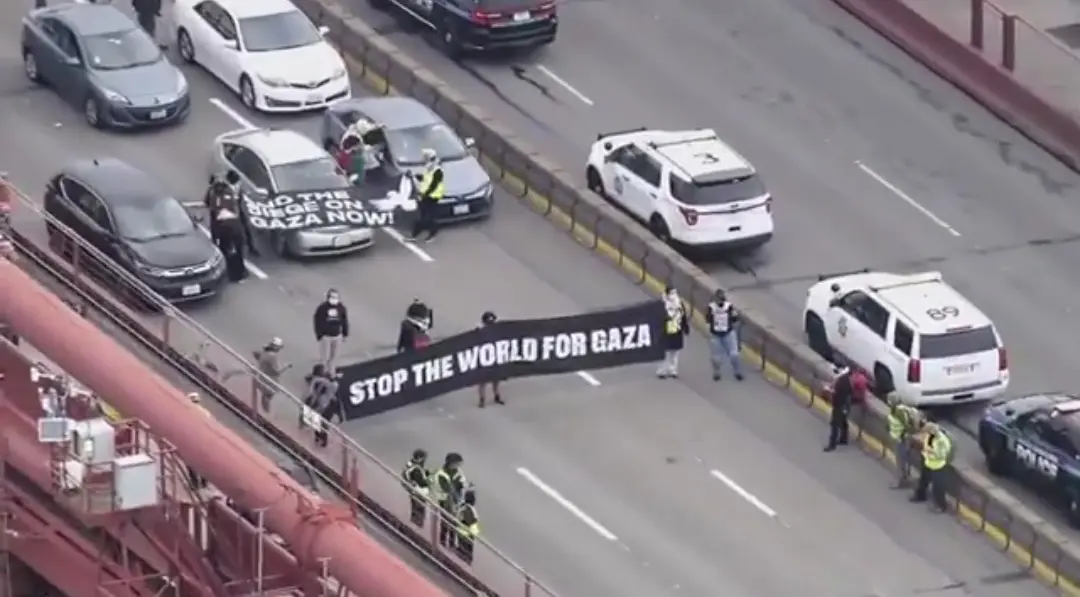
column 228, row 234
column 418, row 485
column 449, row 488
column 418, row 321
column 676, row 328
column 723, row 320
column 432, row 188
column 468, row 526
column 489, row 318
column 904, row 422
column 936, row 453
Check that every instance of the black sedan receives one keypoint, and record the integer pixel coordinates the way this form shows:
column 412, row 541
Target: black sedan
column 138, row 225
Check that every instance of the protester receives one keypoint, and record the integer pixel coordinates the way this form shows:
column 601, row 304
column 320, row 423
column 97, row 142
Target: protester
column 487, row 319
column 723, row 321
column 331, row 322
column 228, row 234
column 147, row 13
column 676, row 328
column 418, row 321
column 322, row 399
column 849, row 389
column 268, row 360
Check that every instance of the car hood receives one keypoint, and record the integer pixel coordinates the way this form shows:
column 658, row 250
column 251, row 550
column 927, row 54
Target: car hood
column 173, row 252
column 297, row 65
column 463, row 178
column 152, row 84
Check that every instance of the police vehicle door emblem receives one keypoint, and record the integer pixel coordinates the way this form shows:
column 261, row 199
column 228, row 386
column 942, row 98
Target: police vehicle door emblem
column 842, row 326
column 618, row 185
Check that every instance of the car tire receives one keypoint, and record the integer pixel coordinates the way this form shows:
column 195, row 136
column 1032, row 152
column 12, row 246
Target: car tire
column 883, row 380
column 996, row 462
column 280, row 244
column 30, row 67
column 816, row 336
column 247, row 92
column 594, row 182
column 92, row 112
column 660, row 229
column 185, row 47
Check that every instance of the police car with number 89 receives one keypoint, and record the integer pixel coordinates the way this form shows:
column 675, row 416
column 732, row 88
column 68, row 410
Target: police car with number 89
column 912, row 333
column 1035, row 439
column 688, row 187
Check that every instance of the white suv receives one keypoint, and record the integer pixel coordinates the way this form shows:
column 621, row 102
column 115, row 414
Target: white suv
column 688, row 187
column 914, row 333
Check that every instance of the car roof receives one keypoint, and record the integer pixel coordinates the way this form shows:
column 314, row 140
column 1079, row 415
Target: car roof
column 392, row 112
column 700, row 155
column 116, row 182
column 243, row 9
column 919, row 298
column 278, row 147
column 91, row 19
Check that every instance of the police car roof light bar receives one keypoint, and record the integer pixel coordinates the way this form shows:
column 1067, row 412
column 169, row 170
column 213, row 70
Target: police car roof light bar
column 603, row 136
column 707, row 135
column 910, row 280
column 823, row 277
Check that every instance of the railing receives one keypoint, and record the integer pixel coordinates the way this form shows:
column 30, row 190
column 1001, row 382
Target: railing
column 378, row 489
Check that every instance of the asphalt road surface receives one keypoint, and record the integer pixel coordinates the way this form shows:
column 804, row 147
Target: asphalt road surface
column 873, row 161
column 611, row 483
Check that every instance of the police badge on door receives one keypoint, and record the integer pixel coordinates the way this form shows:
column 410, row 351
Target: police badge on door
column 842, row 326
column 618, row 185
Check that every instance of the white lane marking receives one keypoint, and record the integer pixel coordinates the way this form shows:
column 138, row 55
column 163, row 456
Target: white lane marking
column 589, row 378
column 744, row 494
column 394, row 234
column 567, row 504
column 896, row 191
column 562, row 82
column 251, row 267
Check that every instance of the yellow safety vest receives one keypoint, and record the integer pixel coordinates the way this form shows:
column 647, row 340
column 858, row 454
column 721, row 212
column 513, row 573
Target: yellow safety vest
column 435, row 194
column 936, row 451
column 900, row 419
column 673, row 325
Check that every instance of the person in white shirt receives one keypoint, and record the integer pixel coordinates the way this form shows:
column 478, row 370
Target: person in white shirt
column 723, row 321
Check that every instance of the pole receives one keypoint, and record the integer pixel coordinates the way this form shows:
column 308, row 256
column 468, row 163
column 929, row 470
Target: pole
column 260, row 554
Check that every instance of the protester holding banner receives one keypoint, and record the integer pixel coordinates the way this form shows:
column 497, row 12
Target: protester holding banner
column 676, row 329
column 419, row 319
column 331, row 322
column 322, row 403
column 487, row 319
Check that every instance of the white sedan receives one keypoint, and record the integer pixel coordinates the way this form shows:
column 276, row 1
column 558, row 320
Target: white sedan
column 267, row 51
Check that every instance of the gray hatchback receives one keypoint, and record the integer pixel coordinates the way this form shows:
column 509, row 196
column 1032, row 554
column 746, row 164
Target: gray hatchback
column 98, row 59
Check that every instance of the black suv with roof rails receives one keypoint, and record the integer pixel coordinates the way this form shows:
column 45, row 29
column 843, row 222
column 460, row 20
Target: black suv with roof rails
column 462, row 26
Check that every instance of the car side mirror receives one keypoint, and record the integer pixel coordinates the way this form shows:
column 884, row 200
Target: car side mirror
column 324, row 30
column 72, row 61
column 231, row 44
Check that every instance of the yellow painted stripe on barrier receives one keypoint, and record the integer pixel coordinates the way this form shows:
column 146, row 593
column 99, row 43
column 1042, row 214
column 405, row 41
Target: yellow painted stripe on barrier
column 770, row 371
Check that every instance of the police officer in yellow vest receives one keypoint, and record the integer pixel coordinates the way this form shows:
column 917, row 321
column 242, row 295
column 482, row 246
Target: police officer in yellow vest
column 936, row 453
column 904, row 422
column 448, row 492
column 432, row 188
column 468, row 525
column 418, row 484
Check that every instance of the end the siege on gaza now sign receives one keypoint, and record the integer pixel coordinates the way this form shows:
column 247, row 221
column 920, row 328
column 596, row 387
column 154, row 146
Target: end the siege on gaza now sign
column 505, row 350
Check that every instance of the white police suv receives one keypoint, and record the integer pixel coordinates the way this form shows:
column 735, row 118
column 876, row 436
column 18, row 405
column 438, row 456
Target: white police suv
column 689, row 187
column 911, row 332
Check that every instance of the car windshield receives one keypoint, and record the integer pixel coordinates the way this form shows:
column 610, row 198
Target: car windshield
column 717, row 192
column 407, row 145
column 120, row 50
column 153, row 220
column 310, row 175
column 278, row 32
column 958, row 343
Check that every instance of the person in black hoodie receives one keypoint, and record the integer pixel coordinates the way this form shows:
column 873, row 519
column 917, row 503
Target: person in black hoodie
column 418, row 321
column 489, row 318
column 322, row 400
column 331, row 322
column 147, row 12
column 676, row 329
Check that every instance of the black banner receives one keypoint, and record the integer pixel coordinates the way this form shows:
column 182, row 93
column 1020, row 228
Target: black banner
column 331, row 207
column 505, row 350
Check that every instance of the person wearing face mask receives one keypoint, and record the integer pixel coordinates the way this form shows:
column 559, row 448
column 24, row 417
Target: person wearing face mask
column 676, row 329
column 331, row 323
column 418, row 321
column 489, row 318
column 723, row 322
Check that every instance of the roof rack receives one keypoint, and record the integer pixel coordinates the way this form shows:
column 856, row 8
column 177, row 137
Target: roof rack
column 911, row 279
column 705, row 136
column 602, row 136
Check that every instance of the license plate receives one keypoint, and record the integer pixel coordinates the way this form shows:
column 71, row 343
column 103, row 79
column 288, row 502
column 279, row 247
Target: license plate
column 960, row 369
column 521, row 16
column 191, row 290
column 460, row 210
column 314, row 98
column 158, row 114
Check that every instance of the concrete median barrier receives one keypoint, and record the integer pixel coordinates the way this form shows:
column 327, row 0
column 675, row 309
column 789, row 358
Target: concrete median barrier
column 556, row 194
